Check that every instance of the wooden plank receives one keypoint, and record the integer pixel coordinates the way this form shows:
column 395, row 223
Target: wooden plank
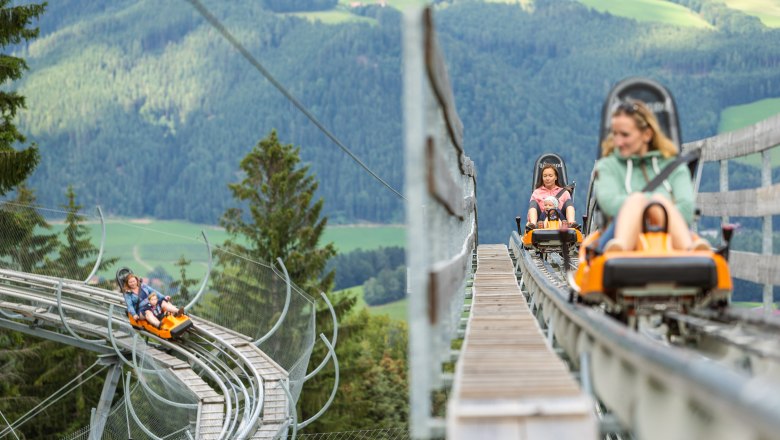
column 440, row 83
column 508, row 378
column 756, row 202
column 445, row 277
column 441, row 186
column 762, row 269
column 754, row 139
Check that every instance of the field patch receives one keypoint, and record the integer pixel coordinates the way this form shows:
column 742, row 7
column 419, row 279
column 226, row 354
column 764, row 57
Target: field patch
column 146, row 244
column 650, row 10
column 768, row 11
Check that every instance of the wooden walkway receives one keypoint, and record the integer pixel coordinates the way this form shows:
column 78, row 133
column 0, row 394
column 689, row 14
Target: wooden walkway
column 508, row 382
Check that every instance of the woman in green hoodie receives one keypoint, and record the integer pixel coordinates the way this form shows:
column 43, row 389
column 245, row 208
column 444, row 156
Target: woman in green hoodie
column 634, row 152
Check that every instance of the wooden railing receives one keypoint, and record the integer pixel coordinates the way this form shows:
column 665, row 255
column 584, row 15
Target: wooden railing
column 763, row 201
column 441, row 217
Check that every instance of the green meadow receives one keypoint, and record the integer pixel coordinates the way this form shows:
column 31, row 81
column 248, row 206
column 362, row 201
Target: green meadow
column 146, row 244
column 395, row 310
column 768, row 11
column 342, row 14
column 649, row 10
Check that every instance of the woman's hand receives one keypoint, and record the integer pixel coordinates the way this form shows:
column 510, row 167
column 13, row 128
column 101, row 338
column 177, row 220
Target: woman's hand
column 135, row 317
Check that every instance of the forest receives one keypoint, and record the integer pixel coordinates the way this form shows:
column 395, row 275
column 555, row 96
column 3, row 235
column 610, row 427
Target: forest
column 144, row 108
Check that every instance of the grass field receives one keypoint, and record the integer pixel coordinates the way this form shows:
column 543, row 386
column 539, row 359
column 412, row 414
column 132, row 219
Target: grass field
column 395, row 310
column 649, row 10
column 740, row 116
column 336, row 16
column 768, row 11
column 146, row 244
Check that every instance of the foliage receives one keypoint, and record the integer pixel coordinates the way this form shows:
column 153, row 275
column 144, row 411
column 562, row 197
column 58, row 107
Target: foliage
column 27, row 240
column 285, row 222
column 15, row 165
column 159, row 83
column 388, row 286
column 354, row 268
column 76, row 257
column 373, row 390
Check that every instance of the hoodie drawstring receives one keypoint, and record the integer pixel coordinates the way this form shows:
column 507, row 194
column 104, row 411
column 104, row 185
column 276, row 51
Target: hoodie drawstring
column 629, row 169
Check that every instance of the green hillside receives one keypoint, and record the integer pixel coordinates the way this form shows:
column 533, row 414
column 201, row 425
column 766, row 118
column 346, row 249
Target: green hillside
column 147, row 111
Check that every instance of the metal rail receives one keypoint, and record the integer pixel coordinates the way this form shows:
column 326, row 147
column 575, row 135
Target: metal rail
column 643, row 381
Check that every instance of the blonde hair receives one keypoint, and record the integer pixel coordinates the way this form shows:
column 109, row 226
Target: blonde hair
column 644, row 119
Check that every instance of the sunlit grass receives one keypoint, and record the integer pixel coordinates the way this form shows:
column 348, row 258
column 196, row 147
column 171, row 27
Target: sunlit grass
column 650, row 10
column 334, row 16
column 397, row 4
column 768, row 11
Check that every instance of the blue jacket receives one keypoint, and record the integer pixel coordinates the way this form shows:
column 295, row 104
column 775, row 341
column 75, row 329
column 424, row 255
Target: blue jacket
column 133, row 301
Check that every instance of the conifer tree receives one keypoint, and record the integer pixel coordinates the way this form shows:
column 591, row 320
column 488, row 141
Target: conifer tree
column 282, row 220
column 26, row 241
column 77, row 254
column 15, row 165
column 183, row 284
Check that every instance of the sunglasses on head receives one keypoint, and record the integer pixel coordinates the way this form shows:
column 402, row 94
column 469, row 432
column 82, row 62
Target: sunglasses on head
column 628, row 107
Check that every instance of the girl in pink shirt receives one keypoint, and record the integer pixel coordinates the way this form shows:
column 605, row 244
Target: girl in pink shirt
column 549, row 187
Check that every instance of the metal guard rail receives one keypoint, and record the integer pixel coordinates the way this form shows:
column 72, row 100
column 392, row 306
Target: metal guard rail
column 656, row 390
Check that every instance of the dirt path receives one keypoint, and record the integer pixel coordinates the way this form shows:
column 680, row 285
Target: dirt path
column 137, row 257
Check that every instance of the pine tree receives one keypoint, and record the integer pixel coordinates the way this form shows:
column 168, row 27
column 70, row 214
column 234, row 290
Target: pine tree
column 15, row 165
column 283, row 221
column 26, row 241
column 77, row 255
column 183, row 284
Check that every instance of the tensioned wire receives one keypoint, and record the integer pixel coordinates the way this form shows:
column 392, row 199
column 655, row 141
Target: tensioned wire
column 252, row 60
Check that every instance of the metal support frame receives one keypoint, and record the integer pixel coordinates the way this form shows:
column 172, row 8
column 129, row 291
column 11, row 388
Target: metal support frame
column 205, row 279
column 284, row 311
column 100, row 414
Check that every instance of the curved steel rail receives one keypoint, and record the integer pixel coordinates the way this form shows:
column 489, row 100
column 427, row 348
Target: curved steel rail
column 284, row 311
column 102, row 245
column 65, row 321
column 325, row 407
column 220, row 371
column 129, row 406
column 206, row 278
column 332, row 340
